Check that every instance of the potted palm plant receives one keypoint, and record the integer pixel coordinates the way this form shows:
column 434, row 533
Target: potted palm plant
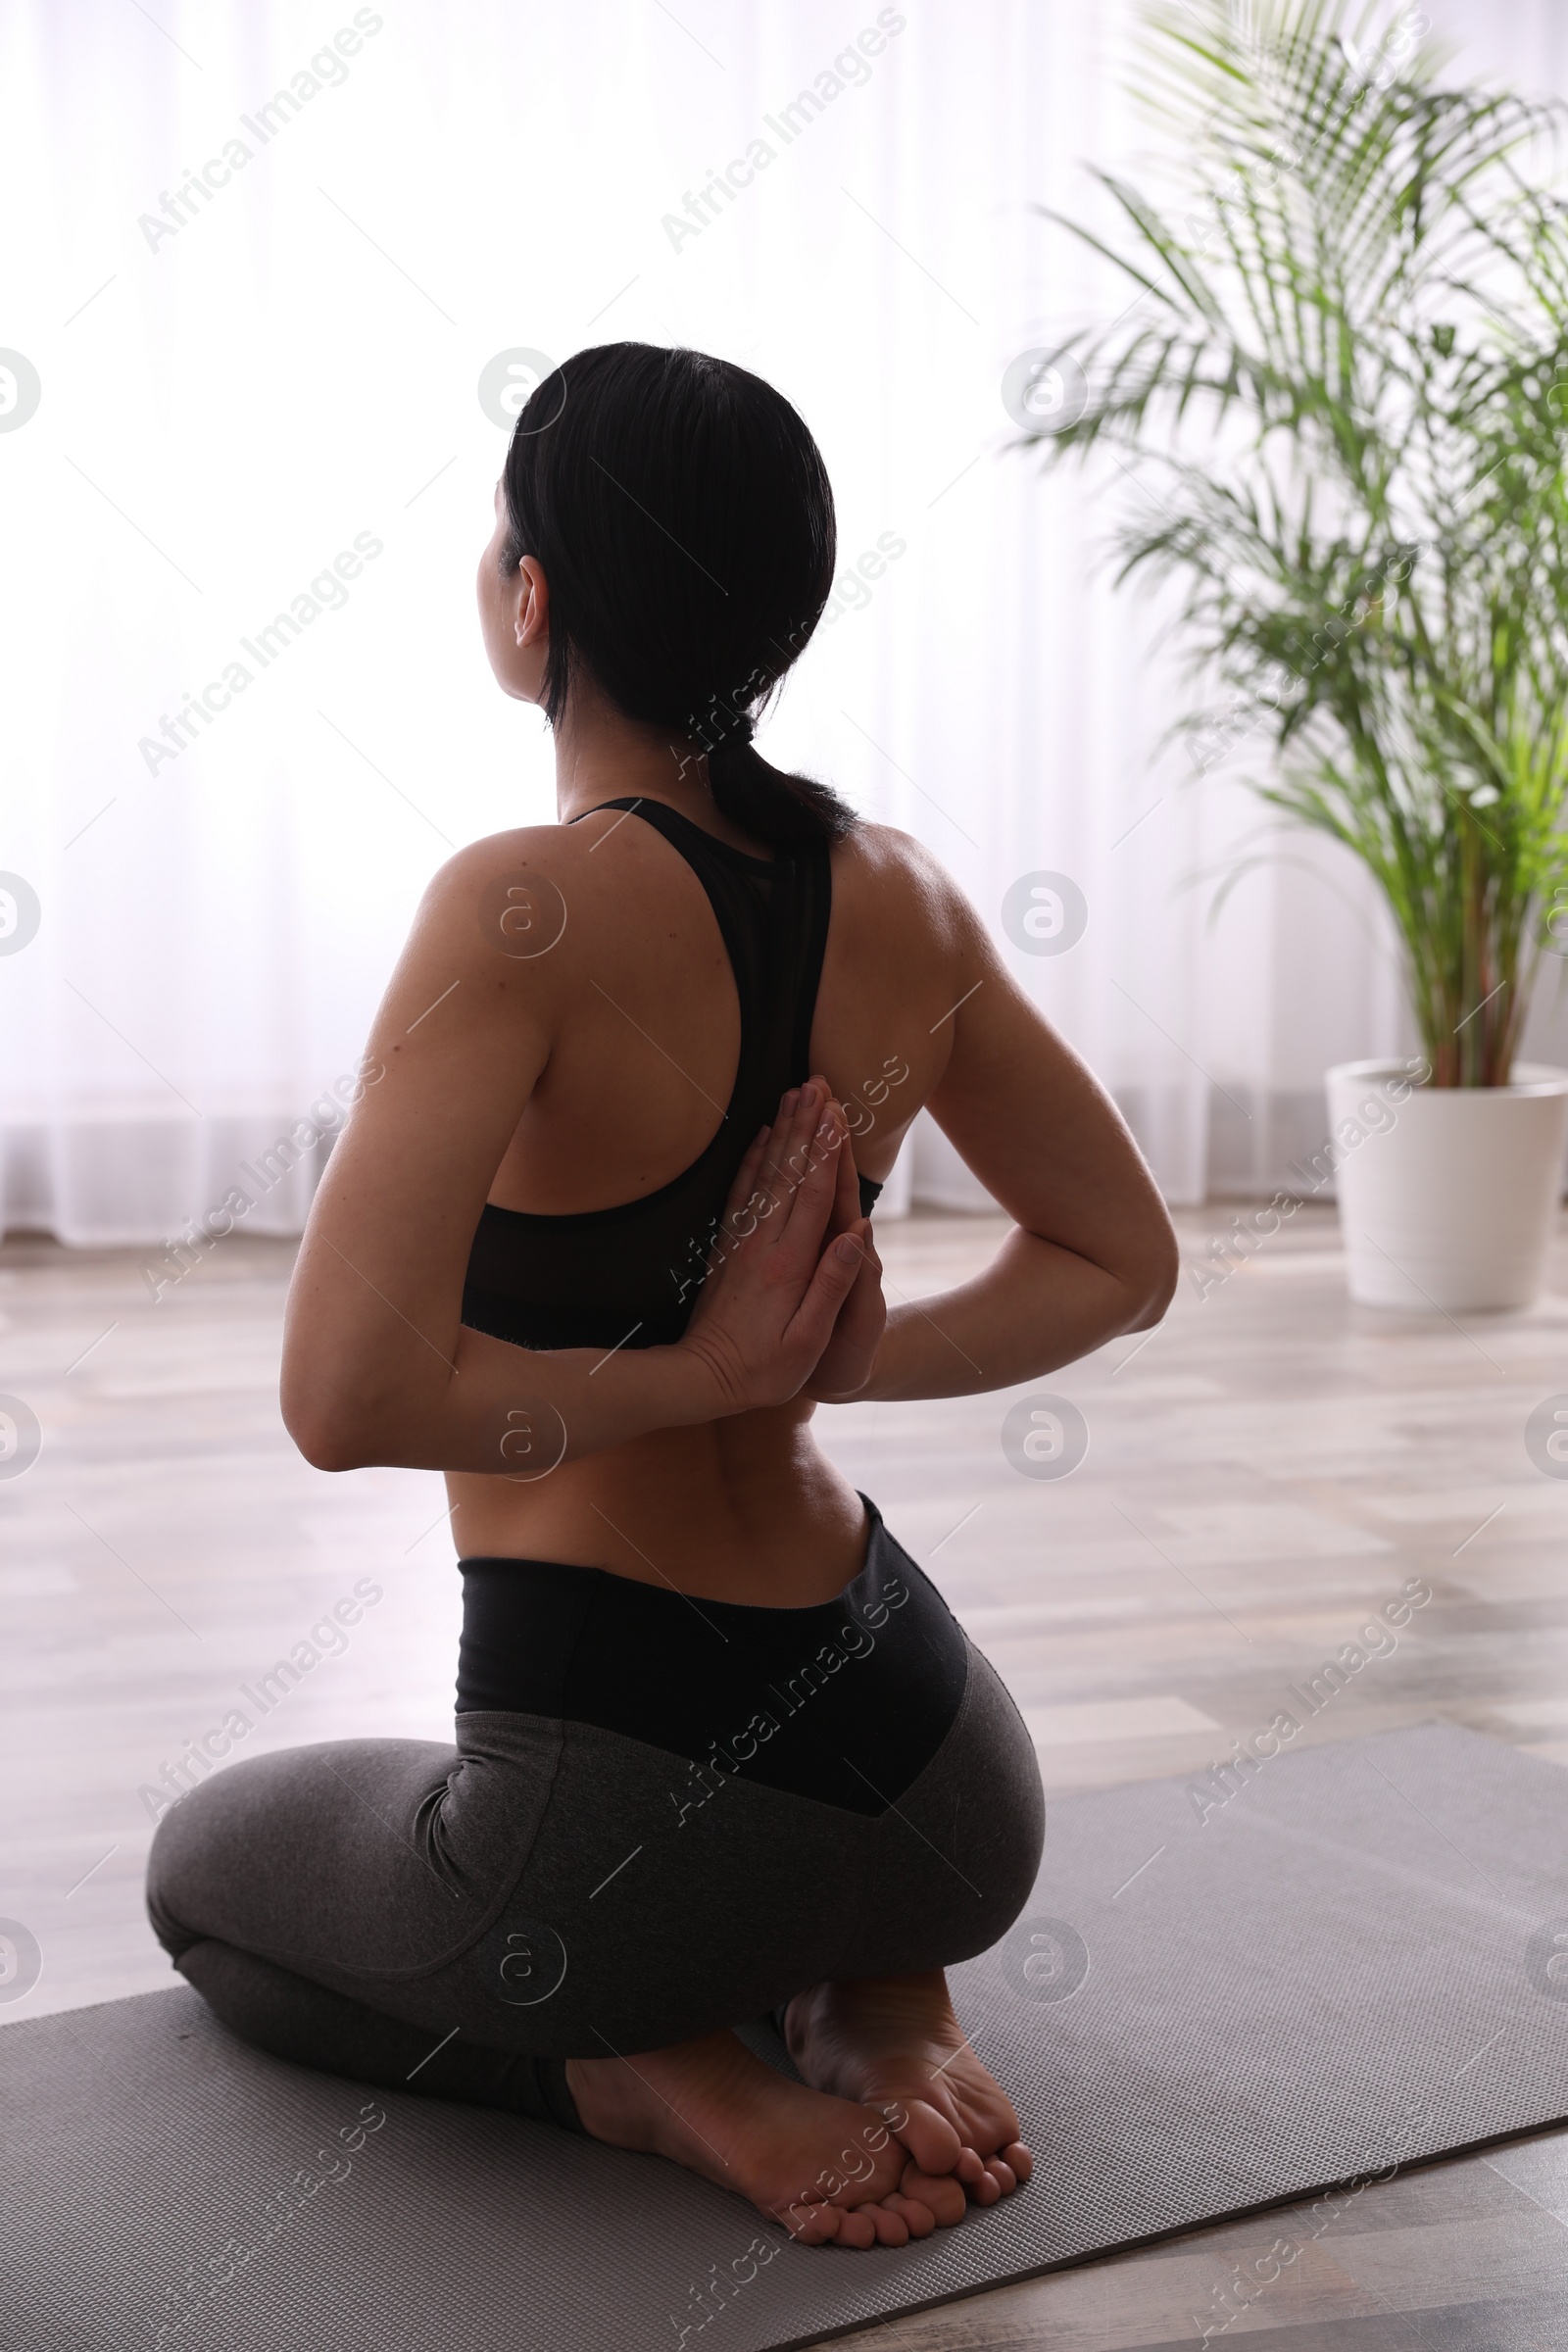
column 1345, row 375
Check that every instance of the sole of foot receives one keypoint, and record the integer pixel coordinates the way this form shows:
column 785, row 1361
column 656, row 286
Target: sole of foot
column 831, row 2170
column 895, row 2041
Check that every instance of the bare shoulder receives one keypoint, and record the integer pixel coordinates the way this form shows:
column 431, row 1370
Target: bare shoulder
column 890, row 884
column 902, row 954
column 519, row 895
column 552, row 855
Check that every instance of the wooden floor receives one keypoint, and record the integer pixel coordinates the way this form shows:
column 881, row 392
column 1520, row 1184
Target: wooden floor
column 1263, row 1471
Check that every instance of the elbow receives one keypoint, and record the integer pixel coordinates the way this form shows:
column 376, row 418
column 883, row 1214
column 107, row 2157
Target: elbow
column 1153, row 1282
column 328, row 1449
column 1156, row 1306
column 318, row 1419
column 327, row 1440
column 1147, row 1267
column 345, row 1410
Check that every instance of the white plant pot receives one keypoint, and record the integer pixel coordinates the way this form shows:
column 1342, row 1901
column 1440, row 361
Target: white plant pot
column 1446, row 1193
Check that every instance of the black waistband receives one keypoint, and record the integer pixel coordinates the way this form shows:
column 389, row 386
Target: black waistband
column 846, row 1702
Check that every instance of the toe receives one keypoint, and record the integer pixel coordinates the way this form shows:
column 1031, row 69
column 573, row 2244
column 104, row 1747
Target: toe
column 1022, row 2163
column 986, row 2190
column 942, row 2195
column 918, row 2218
column 1003, row 2175
column 856, row 2229
column 814, row 2225
column 969, row 2167
column 892, row 2230
column 928, row 2135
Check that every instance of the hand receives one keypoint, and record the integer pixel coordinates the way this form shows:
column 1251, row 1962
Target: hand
column 766, row 1312
column 846, row 1362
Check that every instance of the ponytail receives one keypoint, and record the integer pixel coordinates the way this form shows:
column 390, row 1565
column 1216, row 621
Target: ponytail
column 791, row 812
column 787, row 811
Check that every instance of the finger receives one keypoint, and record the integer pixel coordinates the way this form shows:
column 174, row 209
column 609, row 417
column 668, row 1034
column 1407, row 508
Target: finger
column 811, row 1107
column 779, row 1125
column 859, row 1231
column 788, row 1104
column 798, row 1115
column 801, row 1193
column 813, row 1168
column 746, row 1175
column 846, row 1208
column 815, row 1103
column 735, row 1224
column 863, row 1308
column 812, row 1324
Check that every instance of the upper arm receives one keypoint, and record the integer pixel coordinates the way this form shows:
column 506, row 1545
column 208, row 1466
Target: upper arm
column 456, row 1046
column 1033, row 1124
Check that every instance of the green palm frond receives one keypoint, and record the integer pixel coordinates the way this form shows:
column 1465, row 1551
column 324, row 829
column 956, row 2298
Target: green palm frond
column 1347, row 369
column 1344, row 373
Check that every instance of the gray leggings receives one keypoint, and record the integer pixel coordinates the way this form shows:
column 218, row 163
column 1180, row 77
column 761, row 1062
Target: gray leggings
column 460, row 1920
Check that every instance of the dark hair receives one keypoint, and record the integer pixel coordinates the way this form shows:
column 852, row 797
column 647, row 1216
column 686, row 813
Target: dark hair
column 684, row 517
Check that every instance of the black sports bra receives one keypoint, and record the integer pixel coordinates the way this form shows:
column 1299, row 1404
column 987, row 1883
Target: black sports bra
column 629, row 1275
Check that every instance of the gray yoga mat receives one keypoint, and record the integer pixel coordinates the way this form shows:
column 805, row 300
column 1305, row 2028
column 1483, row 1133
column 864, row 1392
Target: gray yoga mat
column 1358, row 1959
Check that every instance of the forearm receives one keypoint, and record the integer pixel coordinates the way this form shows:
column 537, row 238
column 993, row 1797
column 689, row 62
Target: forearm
column 1036, row 1307
column 378, row 1368
column 486, row 1405
column 521, row 1411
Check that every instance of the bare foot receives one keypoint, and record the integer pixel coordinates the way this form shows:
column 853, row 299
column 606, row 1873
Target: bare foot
column 831, row 2170
column 895, row 2038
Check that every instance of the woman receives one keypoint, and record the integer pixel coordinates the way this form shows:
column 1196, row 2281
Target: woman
column 594, row 1245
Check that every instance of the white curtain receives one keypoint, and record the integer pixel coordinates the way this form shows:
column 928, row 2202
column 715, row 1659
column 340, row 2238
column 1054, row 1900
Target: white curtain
column 261, row 258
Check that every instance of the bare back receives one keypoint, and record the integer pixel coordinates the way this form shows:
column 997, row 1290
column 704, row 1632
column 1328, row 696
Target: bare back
column 596, row 1072
column 643, row 1056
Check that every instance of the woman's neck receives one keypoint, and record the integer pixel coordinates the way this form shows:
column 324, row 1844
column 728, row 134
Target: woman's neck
column 602, row 755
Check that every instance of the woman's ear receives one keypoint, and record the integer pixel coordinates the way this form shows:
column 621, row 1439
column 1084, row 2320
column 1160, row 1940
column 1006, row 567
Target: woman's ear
column 531, row 612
